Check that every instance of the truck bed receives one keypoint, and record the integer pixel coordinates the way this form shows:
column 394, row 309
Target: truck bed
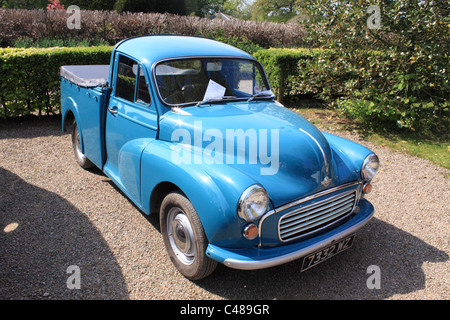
column 89, row 76
column 84, row 92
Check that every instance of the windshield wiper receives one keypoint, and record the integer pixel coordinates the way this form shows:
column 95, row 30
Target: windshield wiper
column 261, row 94
column 214, row 100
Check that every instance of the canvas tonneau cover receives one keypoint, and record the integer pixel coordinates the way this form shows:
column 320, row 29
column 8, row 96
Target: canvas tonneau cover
column 90, row 76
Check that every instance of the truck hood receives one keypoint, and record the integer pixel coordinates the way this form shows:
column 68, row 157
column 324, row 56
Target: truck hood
column 273, row 145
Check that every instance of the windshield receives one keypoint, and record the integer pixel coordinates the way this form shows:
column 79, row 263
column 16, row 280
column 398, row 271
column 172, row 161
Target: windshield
column 188, row 81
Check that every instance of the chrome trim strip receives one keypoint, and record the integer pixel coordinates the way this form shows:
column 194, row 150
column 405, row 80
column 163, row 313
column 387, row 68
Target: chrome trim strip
column 325, row 161
column 272, row 262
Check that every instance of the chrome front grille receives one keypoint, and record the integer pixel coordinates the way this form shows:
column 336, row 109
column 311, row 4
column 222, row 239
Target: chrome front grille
column 316, row 216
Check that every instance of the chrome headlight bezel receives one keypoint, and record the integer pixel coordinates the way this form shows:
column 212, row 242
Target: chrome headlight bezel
column 370, row 167
column 253, row 203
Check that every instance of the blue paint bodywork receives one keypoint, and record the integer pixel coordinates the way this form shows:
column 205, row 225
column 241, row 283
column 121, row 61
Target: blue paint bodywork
column 135, row 147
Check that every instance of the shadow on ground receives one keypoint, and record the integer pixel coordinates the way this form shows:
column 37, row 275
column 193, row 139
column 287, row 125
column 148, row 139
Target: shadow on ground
column 398, row 254
column 30, row 127
column 51, row 235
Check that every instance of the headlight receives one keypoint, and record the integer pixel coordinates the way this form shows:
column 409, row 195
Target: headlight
column 370, row 167
column 253, row 203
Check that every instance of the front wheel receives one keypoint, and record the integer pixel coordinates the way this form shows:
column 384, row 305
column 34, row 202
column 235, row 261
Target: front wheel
column 184, row 237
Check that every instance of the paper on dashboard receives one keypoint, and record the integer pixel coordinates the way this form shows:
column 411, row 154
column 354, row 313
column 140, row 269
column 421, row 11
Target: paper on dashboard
column 214, row 91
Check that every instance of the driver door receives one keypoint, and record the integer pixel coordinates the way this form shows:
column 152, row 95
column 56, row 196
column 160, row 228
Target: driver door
column 131, row 124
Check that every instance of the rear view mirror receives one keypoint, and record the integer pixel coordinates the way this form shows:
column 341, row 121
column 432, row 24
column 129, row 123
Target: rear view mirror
column 213, row 66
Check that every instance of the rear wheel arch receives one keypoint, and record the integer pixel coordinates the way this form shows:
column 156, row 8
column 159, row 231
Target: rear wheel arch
column 68, row 119
column 77, row 139
column 69, row 112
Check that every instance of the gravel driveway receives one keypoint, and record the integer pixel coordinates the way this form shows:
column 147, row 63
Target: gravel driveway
column 54, row 215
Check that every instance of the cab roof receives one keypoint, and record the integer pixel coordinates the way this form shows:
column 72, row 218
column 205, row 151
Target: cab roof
column 152, row 48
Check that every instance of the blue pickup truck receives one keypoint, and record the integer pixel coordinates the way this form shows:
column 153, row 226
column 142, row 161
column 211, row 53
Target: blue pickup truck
column 188, row 128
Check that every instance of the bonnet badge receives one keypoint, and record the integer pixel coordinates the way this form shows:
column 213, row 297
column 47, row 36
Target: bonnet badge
column 326, row 181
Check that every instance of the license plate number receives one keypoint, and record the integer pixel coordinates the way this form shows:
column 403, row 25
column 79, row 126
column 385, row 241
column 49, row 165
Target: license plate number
column 319, row 256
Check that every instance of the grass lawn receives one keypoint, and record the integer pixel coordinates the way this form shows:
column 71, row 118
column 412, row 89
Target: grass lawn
column 436, row 149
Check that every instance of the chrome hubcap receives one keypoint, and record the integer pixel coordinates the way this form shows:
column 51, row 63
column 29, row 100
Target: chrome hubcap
column 181, row 236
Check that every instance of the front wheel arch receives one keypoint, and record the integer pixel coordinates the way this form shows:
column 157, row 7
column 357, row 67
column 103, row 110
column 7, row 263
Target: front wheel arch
column 159, row 193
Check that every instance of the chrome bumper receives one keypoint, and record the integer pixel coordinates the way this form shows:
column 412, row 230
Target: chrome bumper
column 260, row 258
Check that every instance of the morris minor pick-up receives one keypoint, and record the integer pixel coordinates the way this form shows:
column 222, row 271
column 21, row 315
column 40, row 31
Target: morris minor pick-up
column 188, row 128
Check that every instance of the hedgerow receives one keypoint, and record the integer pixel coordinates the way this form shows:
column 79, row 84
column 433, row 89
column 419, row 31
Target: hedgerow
column 112, row 27
column 30, row 77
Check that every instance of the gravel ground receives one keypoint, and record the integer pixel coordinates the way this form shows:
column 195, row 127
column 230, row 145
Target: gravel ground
column 53, row 215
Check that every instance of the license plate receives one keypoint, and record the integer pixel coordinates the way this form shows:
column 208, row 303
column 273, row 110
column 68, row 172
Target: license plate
column 319, row 256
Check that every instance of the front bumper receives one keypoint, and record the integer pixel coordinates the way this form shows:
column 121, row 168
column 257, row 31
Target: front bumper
column 260, row 258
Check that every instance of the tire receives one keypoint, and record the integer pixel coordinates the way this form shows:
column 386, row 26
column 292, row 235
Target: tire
column 184, row 237
column 81, row 159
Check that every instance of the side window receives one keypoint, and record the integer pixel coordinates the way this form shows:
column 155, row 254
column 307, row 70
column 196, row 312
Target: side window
column 142, row 94
column 126, row 78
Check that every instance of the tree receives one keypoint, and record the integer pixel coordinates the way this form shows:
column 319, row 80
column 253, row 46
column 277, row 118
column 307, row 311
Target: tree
column 240, row 9
column 90, row 4
column 276, row 10
column 393, row 56
column 204, row 8
column 24, row 4
column 172, row 6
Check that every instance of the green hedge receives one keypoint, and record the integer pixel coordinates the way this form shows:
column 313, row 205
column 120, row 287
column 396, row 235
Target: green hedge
column 282, row 66
column 365, row 85
column 30, row 77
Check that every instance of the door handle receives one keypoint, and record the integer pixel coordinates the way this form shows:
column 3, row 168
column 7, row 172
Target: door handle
column 113, row 110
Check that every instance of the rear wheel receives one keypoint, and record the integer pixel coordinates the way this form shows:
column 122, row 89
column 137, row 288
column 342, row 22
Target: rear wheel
column 81, row 159
column 184, row 237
